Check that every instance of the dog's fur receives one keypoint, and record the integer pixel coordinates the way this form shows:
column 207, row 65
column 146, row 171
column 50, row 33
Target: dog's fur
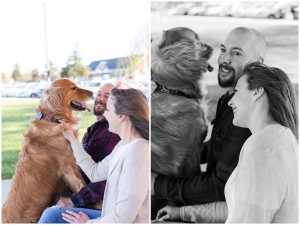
column 46, row 162
column 178, row 123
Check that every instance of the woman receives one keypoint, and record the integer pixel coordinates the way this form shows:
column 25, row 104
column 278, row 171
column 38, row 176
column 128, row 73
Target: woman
column 263, row 188
column 126, row 169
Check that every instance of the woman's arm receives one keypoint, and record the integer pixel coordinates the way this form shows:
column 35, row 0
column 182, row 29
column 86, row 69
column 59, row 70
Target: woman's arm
column 133, row 187
column 260, row 187
column 95, row 171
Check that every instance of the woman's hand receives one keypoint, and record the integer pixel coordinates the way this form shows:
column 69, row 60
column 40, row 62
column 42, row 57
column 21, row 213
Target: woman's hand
column 168, row 213
column 69, row 134
column 73, row 217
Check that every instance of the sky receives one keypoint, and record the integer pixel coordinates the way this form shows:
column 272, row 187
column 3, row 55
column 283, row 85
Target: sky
column 101, row 29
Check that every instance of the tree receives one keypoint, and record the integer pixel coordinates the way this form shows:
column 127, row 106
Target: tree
column 122, row 66
column 44, row 76
column 134, row 62
column 74, row 67
column 138, row 60
column 16, row 74
column 53, row 71
column 35, row 75
column 65, row 72
column 4, row 77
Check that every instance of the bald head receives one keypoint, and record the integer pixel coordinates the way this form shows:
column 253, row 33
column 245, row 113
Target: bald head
column 242, row 46
column 101, row 99
column 107, row 86
column 252, row 40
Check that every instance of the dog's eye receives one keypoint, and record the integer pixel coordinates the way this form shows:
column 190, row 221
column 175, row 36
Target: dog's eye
column 74, row 88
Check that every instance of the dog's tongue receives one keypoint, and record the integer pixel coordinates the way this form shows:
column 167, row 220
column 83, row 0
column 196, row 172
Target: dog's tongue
column 79, row 106
column 85, row 106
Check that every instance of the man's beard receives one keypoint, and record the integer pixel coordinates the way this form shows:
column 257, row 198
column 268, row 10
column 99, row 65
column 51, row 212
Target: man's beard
column 98, row 113
column 228, row 82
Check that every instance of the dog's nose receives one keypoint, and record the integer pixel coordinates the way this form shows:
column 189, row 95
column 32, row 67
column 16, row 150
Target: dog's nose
column 208, row 51
column 210, row 68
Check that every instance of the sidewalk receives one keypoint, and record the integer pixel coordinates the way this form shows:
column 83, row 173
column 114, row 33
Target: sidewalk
column 5, row 189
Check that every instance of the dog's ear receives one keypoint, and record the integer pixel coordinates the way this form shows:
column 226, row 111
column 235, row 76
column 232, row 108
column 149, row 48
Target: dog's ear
column 52, row 100
column 170, row 38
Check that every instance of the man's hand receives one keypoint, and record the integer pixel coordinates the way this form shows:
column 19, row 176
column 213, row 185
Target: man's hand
column 153, row 177
column 65, row 202
column 168, row 213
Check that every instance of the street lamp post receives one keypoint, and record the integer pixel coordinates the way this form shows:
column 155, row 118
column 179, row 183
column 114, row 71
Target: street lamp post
column 48, row 73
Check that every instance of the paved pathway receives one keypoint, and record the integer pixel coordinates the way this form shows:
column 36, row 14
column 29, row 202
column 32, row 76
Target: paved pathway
column 5, row 189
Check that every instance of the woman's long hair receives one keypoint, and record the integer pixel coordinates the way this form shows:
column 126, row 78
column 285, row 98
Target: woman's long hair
column 282, row 104
column 133, row 103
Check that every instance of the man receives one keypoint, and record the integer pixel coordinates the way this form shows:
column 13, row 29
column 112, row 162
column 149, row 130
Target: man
column 99, row 143
column 221, row 153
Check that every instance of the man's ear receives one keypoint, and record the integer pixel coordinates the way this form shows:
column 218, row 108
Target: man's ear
column 258, row 92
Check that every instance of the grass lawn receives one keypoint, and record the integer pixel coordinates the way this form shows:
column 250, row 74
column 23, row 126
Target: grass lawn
column 16, row 116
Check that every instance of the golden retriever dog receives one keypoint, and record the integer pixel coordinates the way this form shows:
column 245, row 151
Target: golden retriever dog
column 178, row 120
column 46, row 162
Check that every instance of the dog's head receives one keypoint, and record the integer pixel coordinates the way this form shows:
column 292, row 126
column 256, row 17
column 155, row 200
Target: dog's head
column 62, row 97
column 180, row 59
column 177, row 34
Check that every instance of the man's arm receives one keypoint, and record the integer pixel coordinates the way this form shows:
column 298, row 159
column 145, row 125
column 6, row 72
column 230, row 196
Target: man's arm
column 206, row 187
column 215, row 212
column 89, row 195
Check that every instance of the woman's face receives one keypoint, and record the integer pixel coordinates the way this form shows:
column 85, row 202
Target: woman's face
column 111, row 116
column 242, row 103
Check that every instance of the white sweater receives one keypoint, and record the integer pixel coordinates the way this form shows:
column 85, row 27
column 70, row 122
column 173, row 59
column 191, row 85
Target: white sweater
column 263, row 188
column 126, row 169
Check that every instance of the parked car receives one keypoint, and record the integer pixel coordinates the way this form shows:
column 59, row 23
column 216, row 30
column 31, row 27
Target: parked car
column 14, row 90
column 31, row 93
column 32, row 90
column 196, row 11
column 25, row 92
column 5, row 88
column 180, row 9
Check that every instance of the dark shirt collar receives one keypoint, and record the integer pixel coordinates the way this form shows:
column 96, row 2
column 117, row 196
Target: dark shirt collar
column 227, row 96
column 102, row 121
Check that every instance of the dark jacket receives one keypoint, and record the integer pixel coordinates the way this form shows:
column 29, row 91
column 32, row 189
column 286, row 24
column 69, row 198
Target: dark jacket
column 98, row 142
column 221, row 154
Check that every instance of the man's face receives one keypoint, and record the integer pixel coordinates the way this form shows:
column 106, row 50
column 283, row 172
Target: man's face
column 101, row 100
column 236, row 52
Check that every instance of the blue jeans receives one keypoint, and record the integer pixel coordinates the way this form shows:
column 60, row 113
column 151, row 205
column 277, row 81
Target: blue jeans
column 53, row 214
